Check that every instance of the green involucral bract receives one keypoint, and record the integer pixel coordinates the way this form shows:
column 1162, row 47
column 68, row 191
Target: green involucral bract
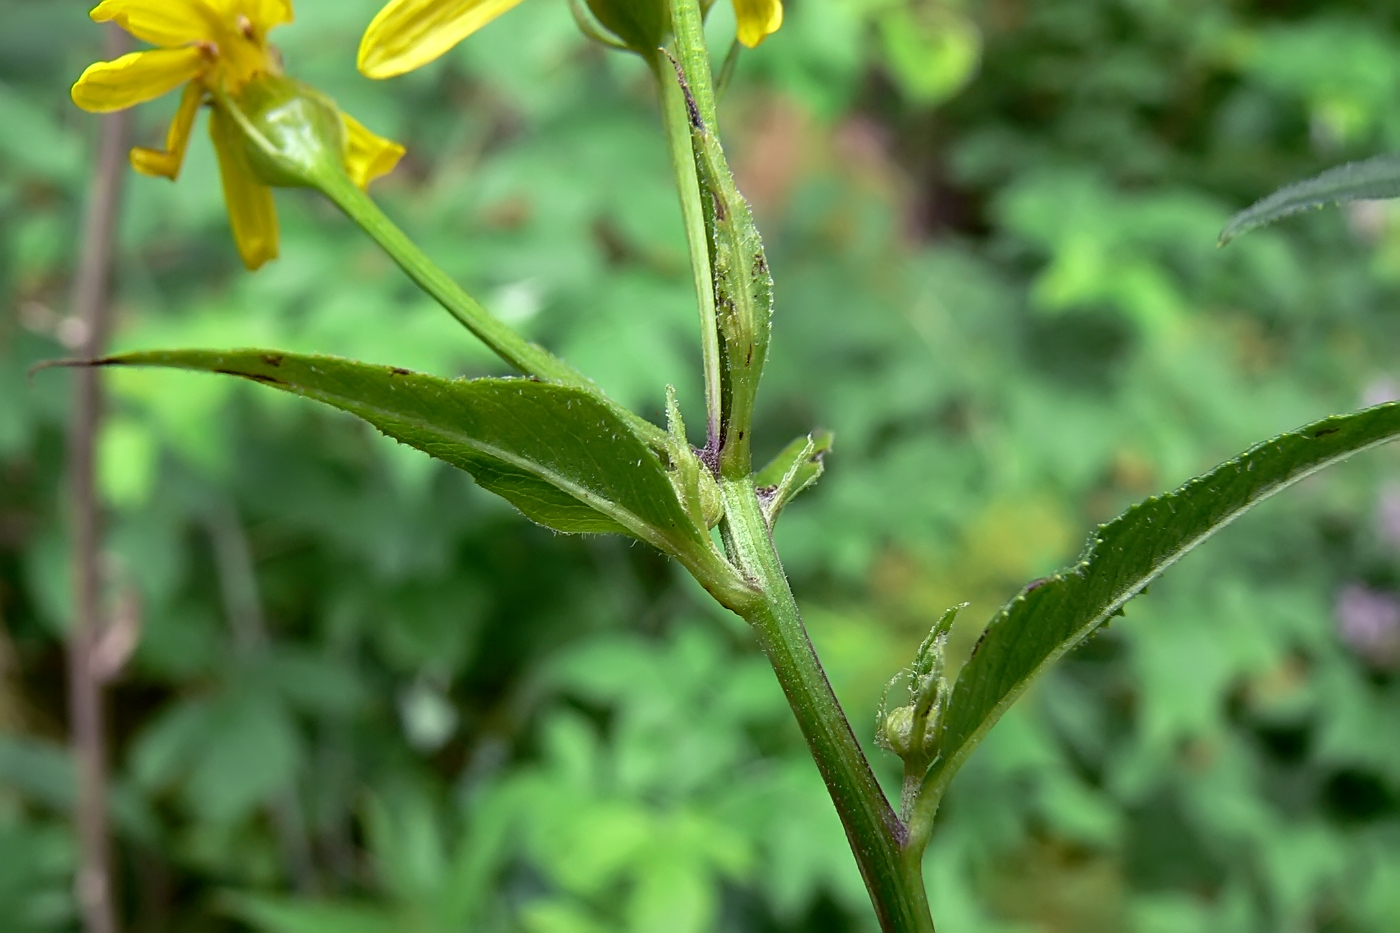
column 294, row 135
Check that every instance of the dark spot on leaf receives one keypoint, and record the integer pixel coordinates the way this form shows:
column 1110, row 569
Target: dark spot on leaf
column 400, row 371
column 1323, row 432
column 256, row 377
column 1036, row 584
column 272, row 359
column 980, row 638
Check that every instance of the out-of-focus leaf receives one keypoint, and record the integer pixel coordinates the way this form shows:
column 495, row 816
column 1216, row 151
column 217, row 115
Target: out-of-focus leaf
column 284, row 915
column 1051, row 616
column 1355, row 181
column 39, row 770
column 932, row 52
column 34, row 142
column 558, row 454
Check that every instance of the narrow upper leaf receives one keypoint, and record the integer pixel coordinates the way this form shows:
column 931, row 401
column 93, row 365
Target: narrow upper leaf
column 796, row 467
column 560, row 454
column 1051, row 616
column 1355, row 181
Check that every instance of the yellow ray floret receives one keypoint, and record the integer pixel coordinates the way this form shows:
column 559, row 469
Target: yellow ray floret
column 408, row 34
column 215, row 48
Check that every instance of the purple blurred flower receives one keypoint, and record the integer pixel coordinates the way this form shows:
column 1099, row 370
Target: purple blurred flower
column 1379, row 391
column 1368, row 621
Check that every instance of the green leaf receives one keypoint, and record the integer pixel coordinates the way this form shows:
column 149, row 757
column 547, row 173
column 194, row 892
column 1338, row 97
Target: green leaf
column 559, row 454
column 1355, row 181
column 1051, row 616
column 796, row 467
column 285, row 915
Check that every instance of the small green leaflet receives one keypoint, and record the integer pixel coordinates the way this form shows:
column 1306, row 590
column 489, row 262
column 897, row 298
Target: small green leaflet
column 796, row 467
column 1355, row 181
column 1051, row 616
column 559, row 454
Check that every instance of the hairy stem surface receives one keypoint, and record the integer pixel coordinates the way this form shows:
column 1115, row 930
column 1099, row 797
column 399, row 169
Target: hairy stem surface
column 676, row 117
column 892, row 870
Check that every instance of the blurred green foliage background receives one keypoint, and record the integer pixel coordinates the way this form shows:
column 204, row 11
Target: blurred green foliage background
column 368, row 697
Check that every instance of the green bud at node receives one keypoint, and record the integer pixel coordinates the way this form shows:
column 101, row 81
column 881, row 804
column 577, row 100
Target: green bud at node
column 897, row 731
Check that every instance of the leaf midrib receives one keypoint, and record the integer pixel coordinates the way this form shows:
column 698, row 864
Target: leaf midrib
column 624, row 517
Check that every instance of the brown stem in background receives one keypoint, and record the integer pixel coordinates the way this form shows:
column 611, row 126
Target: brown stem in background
column 90, row 306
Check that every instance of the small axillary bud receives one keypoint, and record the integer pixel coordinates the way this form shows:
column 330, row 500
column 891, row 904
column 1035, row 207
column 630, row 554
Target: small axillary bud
column 911, row 731
column 694, row 484
column 294, row 135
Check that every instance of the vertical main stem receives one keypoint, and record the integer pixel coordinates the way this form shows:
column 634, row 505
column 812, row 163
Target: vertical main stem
column 892, row 870
column 676, row 117
column 93, row 883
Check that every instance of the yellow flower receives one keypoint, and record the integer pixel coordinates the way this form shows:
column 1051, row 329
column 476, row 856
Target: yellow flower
column 215, row 48
column 408, row 34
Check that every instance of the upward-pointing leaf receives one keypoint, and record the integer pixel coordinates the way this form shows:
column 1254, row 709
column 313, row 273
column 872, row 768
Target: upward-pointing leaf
column 559, row 454
column 1355, row 181
column 1051, row 616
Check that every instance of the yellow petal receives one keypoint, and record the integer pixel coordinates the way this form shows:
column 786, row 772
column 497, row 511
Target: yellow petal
column 408, row 34
column 264, row 14
column 368, row 156
column 166, row 164
column 136, row 78
column 168, row 23
column 758, row 19
column 251, row 211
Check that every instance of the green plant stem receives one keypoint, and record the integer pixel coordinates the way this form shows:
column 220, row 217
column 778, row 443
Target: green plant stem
column 891, row 869
column 526, row 356
column 676, row 118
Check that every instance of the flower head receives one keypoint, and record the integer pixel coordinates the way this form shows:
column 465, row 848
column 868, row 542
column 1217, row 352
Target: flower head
column 216, row 49
column 408, row 34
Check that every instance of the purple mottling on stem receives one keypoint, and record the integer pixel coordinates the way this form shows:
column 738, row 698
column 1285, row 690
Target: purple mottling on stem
column 1368, row 621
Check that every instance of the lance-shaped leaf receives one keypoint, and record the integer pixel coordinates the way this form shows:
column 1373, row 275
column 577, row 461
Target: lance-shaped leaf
column 1051, row 616
column 559, row 454
column 796, row 467
column 1355, row 181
